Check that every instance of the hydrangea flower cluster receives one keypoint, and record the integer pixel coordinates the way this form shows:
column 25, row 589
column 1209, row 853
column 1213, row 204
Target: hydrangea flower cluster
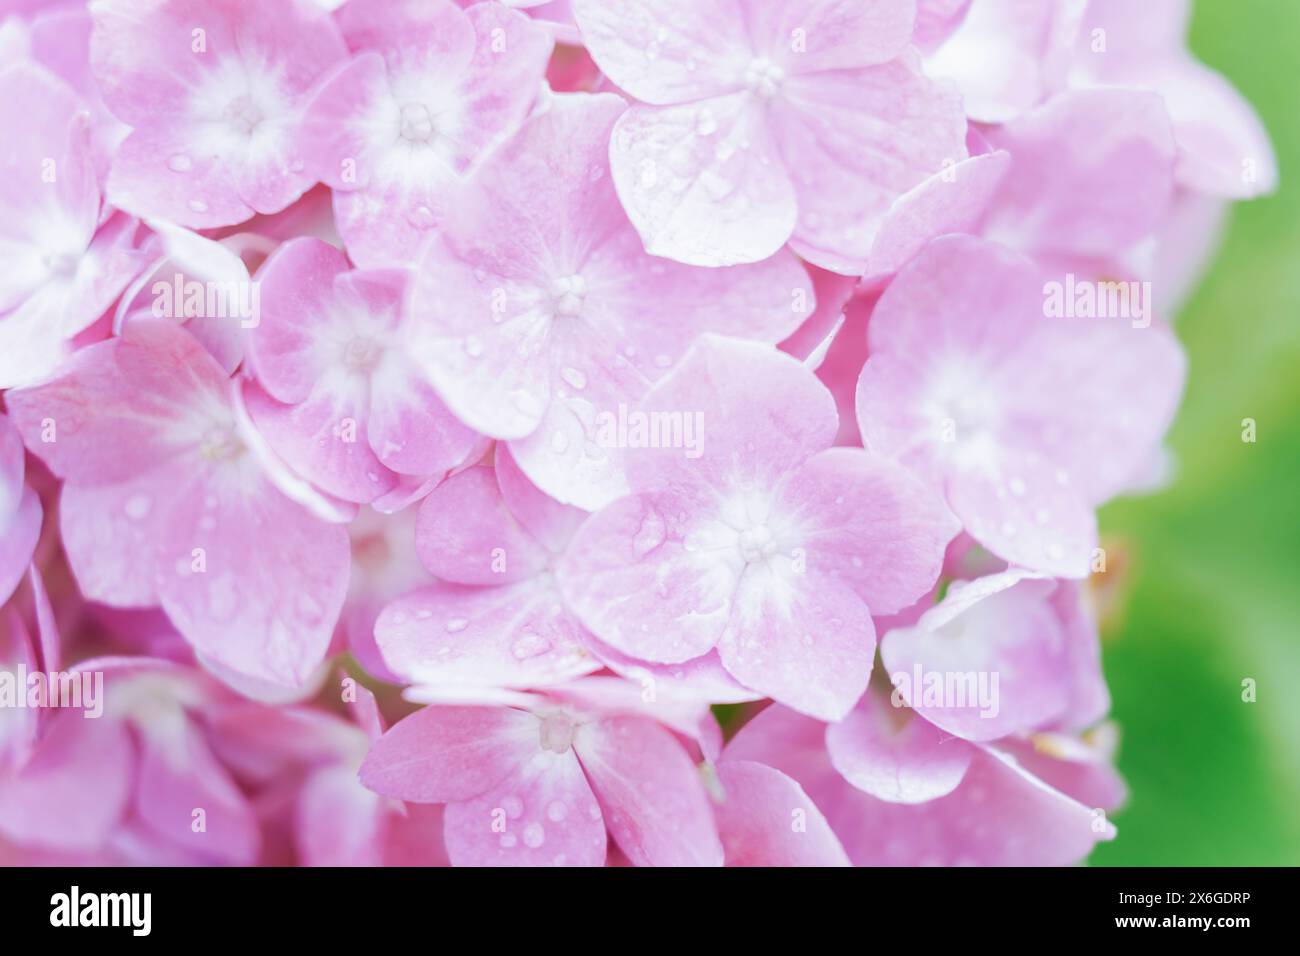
column 602, row 432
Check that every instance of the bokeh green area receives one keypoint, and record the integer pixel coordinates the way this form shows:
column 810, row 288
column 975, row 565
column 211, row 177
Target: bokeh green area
column 1213, row 589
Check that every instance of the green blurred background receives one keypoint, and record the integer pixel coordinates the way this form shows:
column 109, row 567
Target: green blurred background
column 1211, row 593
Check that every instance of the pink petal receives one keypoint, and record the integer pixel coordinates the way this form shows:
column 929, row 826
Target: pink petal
column 541, row 814
column 805, row 639
column 650, row 793
column 1128, row 168
column 855, row 140
column 668, row 51
column 467, row 534
column 703, row 198
column 73, row 791
column 443, row 754
column 894, row 754
column 179, row 776
column 866, row 521
column 273, row 582
column 515, row 635
column 768, row 820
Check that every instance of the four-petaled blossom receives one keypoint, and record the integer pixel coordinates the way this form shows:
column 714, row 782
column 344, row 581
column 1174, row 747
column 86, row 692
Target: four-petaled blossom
column 763, row 123
column 772, row 547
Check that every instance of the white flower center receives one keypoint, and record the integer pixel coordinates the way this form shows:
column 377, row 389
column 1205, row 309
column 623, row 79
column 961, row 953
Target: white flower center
column 417, row 123
column 568, row 295
column 557, row 732
column 243, row 115
column 763, row 78
column 756, row 543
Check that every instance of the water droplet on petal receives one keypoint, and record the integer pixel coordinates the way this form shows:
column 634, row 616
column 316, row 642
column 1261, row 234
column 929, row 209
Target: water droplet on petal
column 534, row 835
column 457, row 624
column 180, row 163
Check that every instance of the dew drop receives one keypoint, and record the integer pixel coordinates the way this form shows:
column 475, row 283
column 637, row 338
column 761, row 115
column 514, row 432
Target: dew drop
column 180, row 163
column 534, row 835
column 457, row 624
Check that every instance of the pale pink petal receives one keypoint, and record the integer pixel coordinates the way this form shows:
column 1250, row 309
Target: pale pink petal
column 866, row 521
column 73, row 791
column 515, row 635
column 186, row 797
column 703, row 182
column 542, row 813
column 338, row 822
column 855, row 140
column 252, row 579
column 650, row 793
column 889, row 751
column 668, row 51
column 766, row 819
column 805, row 639
column 442, row 754
column 467, row 534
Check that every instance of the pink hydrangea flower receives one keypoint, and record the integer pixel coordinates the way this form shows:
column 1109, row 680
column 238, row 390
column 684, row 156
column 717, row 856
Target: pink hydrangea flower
column 771, row 546
column 541, row 786
column 122, row 789
column 896, row 792
column 764, row 123
column 431, row 87
column 1026, row 422
column 66, row 258
column 545, row 316
column 216, row 107
column 1091, row 212
column 164, row 503
column 340, row 400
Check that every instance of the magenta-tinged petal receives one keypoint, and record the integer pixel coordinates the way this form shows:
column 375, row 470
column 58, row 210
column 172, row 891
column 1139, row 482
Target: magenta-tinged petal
column 551, row 523
column 467, row 534
column 855, row 140
column 1024, row 510
column 252, row 579
column 749, row 437
column 986, row 662
column 669, row 51
column 411, row 429
column 868, row 522
column 323, row 439
column 805, row 639
column 181, row 779
column 1008, row 55
column 703, row 182
column 1043, row 203
column 822, row 35
column 73, row 791
column 217, row 111
column 443, row 754
column 894, row 754
column 514, row 635
column 650, row 793
column 633, row 577
column 12, row 469
column 123, row 406
column 436, row 87
column 338, row 822
column 542, row 813
column 111, row 535
column 296, row 291
column 952, row 200
column 1000, row 815
column 766, row 819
